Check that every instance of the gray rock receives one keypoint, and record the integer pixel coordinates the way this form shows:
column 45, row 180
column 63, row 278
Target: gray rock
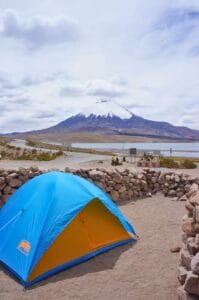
column 2, row 184
column 156, row 186
column 140, row 176
column 196, row 228
column 188, row 227
column 124, row 196
column 96, row 173
column 197, row 214
column 183, row 198
column 195, row 264
column 149, row 195
column 154, row 179
column 194, row 187
column 197, row 240
column 174, row 199
column 184, row 238
column 183, row 295
column 167, row 178
column 23, row 171
column 187, row 187
column 189, row 206
column 130, row 194
column 182, row 274
column 175, row 249
column 177, row 178
column 115, row 195
column 194, row 199
column 192, row 247
column 100, row 184
column 7, row 190
column 172, row 193
column 122, row 189
column 13, row 175
column 185, row 258
column 192, row 284
column 144, row 185
column 180, row 194
column 161, row 178
column 34, row 168
column 14, row 183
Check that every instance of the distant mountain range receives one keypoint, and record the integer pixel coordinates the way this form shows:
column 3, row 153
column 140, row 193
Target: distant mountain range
column 112, row 124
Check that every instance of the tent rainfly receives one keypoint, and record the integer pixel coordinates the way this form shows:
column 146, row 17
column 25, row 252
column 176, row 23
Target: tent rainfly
column 55, row 221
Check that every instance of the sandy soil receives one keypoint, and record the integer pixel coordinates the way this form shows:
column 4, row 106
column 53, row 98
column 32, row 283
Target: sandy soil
column 71, row 160
column 145, row 270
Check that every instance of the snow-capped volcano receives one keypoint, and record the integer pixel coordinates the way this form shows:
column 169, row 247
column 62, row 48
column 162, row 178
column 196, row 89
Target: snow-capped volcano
column 108, row 123
column 104, row 107
column 107, row 117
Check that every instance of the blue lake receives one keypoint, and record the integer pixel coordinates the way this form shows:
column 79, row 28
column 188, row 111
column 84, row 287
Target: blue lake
column 178, row 149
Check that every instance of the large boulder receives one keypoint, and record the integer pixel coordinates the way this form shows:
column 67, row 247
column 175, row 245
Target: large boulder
column 192, row 284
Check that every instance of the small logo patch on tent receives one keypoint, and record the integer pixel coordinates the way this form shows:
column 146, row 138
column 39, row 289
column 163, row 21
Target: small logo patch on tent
column 24, row 247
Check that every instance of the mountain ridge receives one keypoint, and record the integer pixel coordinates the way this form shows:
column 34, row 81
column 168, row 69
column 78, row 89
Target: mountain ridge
column 111, row 124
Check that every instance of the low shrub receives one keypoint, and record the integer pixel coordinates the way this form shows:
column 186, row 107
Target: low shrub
column 174, row 163
column 30, row 143
column 188, row 164
column 59, row 153
column 168, row 162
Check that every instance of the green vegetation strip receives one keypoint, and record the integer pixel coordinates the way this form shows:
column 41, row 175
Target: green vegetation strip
column 178, row 163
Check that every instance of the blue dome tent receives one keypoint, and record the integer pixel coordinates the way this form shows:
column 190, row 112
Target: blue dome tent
column 55, row 221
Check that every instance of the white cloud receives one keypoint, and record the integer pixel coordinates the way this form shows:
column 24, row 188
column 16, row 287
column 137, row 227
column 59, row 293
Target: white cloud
column 103, row 88
column 38, row 31
column 112, row 88
column 142, row 56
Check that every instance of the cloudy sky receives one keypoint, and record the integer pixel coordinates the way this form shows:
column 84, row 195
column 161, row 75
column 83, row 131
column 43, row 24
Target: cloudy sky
column 59, row 58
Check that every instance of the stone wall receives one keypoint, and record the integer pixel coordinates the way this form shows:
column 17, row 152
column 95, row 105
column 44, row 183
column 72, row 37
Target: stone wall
column 188, row 270
column 11, row 180
column 120, row 185
column 129, row 186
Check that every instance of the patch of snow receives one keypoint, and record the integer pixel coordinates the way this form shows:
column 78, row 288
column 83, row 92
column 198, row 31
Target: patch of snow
column 106, row 108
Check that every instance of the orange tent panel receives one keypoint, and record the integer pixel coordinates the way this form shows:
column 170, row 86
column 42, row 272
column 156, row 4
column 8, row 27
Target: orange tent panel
column 91, row 229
